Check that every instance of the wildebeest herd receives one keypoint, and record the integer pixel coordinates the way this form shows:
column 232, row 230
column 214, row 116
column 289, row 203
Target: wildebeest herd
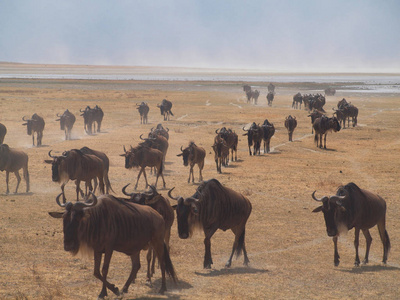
column 91, row 223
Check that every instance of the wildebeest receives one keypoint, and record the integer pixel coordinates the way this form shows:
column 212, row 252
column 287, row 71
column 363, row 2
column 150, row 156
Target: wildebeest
column 165, row 109
column 162, row 205
column 92, row 116
column 345, row 111
column 330, row 91
column 254, row 137
column 246, row 88
column 212, row 207
column 142, row 156
column 315, row 101
column 192, row 155
column 158, row 142
column 290, row 124
column 35, row 124
column 160, row 130
column 315, row 114
column 270, row 98
column 67, row 121
column 221, row 152
column 143, row 109
column 78, row 166
column 353, row 207
column 3, row 132
column 106, row 164
column 297, row 100
column 231, row 139
column 252, row 95
column 322, row 126
column 271, row 88
column 108, row 224
column 268, row 132
column 12, row 160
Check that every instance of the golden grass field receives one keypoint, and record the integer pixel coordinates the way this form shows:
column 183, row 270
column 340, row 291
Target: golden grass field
column 291, row 257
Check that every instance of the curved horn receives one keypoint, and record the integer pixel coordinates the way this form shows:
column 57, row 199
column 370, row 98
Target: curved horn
column 181, row 148
column 124, row 191
column 339, row 199
column 169, row 195
column 124, row 149
column 216, row 131
column 190, row 200
column 58, row 201
column 167, row 129
column 58, row 115
column 93, row 203
column 244, row 129
column 52, row 156
column 141, row 137
column 23, row 119
column 316, row 199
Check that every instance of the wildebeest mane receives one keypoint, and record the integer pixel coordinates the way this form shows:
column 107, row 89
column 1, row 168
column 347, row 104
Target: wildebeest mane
column 108, row 220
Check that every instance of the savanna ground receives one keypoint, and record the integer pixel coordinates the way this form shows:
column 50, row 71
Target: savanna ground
column 290, row 255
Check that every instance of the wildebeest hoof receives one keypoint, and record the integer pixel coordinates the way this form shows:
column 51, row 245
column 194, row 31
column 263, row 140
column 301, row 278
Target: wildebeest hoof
column 148, row 283
column 228, row 264
column 365, row 261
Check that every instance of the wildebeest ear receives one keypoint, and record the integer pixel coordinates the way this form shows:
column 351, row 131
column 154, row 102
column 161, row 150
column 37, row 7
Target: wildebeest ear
column 56, row 214
column 318, row 209
column 179, row 154
column 48, row 161
column 174, row 206
column 195, row 209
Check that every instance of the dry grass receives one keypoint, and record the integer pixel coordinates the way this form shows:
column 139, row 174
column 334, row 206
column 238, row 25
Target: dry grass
column 291, row 257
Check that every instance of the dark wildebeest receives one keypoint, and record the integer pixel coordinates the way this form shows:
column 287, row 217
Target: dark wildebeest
column 160, row 130
column 35, row 124
column 143, row 157
column 165, row 109
column 330, row 91
column 271, row 88
column 270, row 98
column 67, row 121
column 158, row 142
column 349, row 111
column 162, row 205
column 88, row 119
column 246, row 88
column 106, row 164
column 358, row 208
column 290, row 124
column 252, row 95
column 221, row 152
column 212, row 207
column 316, row 102
column 3, row 132
column 98, row 115
column 254, row 137
column 268, row 131
column 322, row 126
column 12, row 160
column 297, row 100
column 315, row 114
column 192, row 155
column 75, row 165
column 108, row 224
column 143, row 109
column 231, row 139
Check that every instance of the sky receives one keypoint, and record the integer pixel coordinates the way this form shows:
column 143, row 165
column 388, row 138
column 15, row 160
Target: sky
column 265, row 35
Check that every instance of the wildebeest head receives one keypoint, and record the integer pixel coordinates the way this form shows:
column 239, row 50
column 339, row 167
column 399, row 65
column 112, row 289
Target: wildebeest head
column 130, row 157
column 333, row 210
column 28, row 124
column 57, row 164
column 186, row 210
column 187, row 154
column 146, row 198
column 73, row 215
column 335, row 125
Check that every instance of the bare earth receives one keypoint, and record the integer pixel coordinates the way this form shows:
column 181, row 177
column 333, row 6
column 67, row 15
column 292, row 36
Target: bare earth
column 290, row 255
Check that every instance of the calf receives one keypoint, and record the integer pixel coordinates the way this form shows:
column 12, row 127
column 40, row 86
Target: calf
column 192, row 155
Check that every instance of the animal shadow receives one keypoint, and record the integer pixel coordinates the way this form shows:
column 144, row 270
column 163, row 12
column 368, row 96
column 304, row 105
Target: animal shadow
column 156, row 284
column 229, row 271
column 370, row 268
column 18, row 194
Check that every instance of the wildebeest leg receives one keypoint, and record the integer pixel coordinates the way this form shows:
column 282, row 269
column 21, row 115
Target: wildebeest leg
column 320, row 140
column 191, row 173
column 137, row 181
column 39, row 138
column 207, row 243
column 160, row 172
column 238, row 246
column 356, row 242
column 78, row 189
column 101, row 184
column 325, row 140
column 18, row 181
column 26, row 177
column 33, row 139
column 201, row 166
column 98, row 275
column 385, row 239
column 336, row 255
column 368, row 239
column 135, row 258
column 7, row 179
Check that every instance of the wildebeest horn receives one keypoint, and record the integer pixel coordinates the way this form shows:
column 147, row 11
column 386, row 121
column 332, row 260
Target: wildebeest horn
column 190, row 200
column 52, row 156
column 58, row 115
column 167, row 129
column 216, row 131
column 58, row 201
column 93, row 203
column 81, row 110
column 124, row 191
column 141, row 137
column 169, row 195
column 23, row 119
column 338, row 199
column 181, row 148
column 244, row 129
column 124, row 149
column 316, row 199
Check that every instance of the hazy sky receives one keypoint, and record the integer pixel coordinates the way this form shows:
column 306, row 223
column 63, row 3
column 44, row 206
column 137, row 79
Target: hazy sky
column 298, row 35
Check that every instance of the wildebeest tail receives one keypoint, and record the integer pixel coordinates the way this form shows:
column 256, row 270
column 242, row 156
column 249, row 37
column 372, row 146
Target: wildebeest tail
column 108, row 185
column 240, row 246
column 170, row 111
column 169, row 268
